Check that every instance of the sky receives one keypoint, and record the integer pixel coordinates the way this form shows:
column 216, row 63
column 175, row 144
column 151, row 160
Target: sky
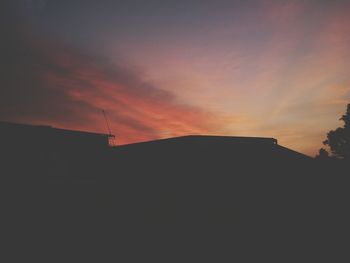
column 169, row 68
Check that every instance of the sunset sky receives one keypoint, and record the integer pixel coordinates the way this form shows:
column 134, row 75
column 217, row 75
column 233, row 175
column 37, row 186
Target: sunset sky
column 167, row 68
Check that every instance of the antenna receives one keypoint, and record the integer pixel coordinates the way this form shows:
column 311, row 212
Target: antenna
column 110, row 135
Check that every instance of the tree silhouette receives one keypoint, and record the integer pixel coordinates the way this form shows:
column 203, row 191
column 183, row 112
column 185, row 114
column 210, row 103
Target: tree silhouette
column 322, row 154
column 339, row 140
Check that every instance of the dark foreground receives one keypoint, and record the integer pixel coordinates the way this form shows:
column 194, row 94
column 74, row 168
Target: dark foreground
column 189, row 199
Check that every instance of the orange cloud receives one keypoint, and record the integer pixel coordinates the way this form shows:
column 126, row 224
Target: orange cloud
column 64, row 87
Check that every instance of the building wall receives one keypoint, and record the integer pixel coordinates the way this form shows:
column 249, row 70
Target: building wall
column 41, row 150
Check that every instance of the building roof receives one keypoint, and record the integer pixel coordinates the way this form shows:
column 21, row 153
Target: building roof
column 20, row 126
column 251, row 145
column 206, row 138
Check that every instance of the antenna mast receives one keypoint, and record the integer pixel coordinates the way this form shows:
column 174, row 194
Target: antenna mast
column 110, row 135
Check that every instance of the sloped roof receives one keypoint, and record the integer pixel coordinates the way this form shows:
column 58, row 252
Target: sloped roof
column 205, row 139
column 23, row 127
column 219, row 143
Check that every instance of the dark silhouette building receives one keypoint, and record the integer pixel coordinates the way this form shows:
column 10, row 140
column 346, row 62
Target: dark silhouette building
column 250, row 195
column 37, row 150
column 37, row 136
column 194, row 177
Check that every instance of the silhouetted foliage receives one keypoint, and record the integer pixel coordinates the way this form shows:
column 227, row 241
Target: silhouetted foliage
column 322, row 154
column 339, row 139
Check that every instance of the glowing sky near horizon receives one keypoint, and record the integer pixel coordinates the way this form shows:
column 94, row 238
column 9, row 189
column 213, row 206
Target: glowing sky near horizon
column 248, row 68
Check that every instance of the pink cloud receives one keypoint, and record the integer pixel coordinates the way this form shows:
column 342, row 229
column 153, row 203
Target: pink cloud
column 65, row 87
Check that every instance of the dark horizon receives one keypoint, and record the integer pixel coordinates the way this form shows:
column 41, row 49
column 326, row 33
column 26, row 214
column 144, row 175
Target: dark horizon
column 236, row 198
column 114, row 142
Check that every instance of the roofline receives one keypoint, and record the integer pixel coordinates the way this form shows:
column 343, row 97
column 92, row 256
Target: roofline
column 85, row 132
column 232, row 137
column 295, row 152
column 54, row 128
column 247, row 138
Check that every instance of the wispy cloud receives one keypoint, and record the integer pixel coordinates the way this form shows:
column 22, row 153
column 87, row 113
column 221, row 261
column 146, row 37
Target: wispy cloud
column 49, row 82
column 255, row 68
